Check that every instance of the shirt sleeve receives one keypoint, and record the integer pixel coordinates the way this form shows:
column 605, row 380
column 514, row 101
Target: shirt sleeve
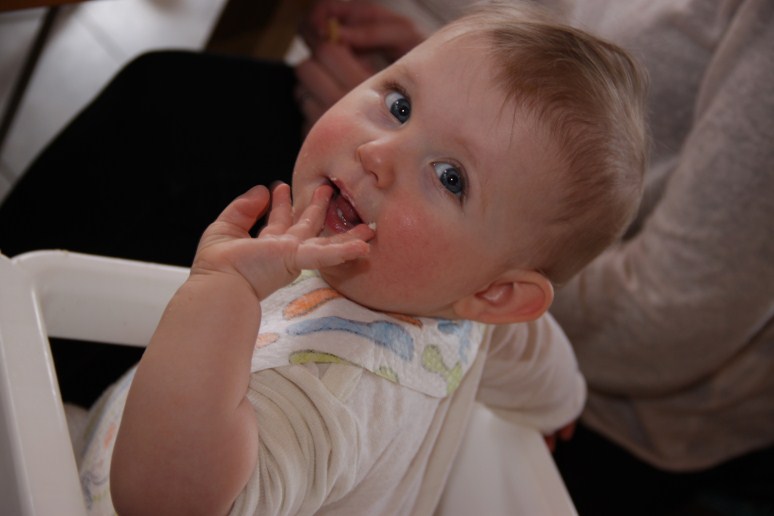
column 305, row 456
column 531, row 375
column 694, row 286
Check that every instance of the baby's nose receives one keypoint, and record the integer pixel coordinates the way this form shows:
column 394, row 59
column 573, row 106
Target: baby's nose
column 377, row 158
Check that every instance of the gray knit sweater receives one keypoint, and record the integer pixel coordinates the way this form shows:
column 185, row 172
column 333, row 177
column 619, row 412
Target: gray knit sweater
column 674, row 328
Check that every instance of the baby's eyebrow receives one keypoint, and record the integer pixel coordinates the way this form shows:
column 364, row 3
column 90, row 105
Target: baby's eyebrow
column 403, row 74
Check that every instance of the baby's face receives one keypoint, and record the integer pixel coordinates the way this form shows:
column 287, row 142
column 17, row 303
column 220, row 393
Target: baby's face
column 430, row 151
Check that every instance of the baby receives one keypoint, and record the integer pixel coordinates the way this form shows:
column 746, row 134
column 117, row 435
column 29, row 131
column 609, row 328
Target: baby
column 438, row 203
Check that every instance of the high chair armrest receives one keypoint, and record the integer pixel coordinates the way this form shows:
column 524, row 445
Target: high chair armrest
column 67, row 295
column 100, row 299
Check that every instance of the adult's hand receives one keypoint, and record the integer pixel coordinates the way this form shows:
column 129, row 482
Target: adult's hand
column 329, row 74
column 349, row 42
column 362, row 26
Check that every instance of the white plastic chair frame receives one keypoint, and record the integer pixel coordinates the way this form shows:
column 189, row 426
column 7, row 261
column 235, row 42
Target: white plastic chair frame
column 66, row 295
column 502, row 469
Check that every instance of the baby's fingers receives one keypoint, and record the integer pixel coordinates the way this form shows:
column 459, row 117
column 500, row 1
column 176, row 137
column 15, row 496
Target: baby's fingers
column 310, row 221
column 360, row 232
column 245, row 210
column 326, row 252
column 281, row 214
column 315, row 256
column 236, row 220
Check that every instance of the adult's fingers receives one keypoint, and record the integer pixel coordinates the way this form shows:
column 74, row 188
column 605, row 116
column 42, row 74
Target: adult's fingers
column 325, row 78
column 363, row 26
column 316, row 26
column 317, row 83
column 394, row 36
column 343, row 64
column 331, row 72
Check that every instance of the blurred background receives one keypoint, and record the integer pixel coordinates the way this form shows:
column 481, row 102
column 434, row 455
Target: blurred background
column 56, row 55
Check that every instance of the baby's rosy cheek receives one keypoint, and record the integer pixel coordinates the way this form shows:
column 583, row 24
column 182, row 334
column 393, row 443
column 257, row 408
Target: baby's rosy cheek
column 332, row 130
column 404, row 224
column 415, row 243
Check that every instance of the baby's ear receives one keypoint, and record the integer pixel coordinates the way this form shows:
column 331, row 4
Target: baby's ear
column 516, row 296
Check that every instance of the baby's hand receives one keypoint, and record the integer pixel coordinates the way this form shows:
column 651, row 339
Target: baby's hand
column 282, row 249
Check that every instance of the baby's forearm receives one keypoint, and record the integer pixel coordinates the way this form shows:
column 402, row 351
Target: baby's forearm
column 188, row 440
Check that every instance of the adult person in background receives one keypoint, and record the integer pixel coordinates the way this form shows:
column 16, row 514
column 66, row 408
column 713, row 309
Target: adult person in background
column 674, row 327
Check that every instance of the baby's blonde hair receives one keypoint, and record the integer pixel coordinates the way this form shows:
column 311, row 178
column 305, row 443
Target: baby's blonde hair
column 588, row 95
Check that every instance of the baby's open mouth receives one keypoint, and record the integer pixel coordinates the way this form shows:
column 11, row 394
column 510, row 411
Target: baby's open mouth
column 342, row 215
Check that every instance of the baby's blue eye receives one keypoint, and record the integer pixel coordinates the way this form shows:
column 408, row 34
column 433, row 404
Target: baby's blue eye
column 399, row 106
column 450, row 177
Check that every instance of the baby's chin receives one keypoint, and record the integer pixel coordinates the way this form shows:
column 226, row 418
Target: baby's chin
column 342, row 277
column 349, row 280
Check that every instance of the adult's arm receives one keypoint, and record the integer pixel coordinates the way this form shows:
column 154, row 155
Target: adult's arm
column 696, row 285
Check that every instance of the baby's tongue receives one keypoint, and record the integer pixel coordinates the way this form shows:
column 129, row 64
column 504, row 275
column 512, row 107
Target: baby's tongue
column 341, row 215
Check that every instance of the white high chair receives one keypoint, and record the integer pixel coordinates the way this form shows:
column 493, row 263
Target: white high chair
column 502, row 469
column 66, row 295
